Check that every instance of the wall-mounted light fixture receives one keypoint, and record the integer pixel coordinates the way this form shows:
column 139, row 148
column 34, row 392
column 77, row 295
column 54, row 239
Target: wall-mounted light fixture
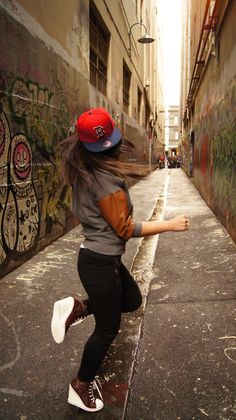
column 145, row 39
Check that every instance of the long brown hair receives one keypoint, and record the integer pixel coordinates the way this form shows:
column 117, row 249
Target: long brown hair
column 77, row 161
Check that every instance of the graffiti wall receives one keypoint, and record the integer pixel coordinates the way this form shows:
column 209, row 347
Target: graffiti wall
column 209, row 141
column 215, row 158
column 38, row 100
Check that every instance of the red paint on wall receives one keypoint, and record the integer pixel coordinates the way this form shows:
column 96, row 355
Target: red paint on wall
column 204, row 153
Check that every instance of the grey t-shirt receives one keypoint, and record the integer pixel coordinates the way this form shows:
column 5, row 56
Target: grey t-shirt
column 99, row 235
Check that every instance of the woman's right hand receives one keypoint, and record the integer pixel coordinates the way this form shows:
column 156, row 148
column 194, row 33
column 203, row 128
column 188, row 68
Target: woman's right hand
column 179, row 223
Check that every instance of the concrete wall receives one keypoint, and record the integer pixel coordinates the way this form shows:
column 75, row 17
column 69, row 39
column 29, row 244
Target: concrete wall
column 44, row 86
column 209, row 143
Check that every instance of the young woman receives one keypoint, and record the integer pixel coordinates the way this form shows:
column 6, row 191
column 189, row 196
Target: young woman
column 101, row 202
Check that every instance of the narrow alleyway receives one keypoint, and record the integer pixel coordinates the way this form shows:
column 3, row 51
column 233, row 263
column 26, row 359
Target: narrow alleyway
column 165, row 72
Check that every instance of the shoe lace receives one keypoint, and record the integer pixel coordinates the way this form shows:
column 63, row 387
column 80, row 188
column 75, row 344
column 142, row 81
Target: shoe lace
column 78, row 321
column 98, row 386
column 90, row 392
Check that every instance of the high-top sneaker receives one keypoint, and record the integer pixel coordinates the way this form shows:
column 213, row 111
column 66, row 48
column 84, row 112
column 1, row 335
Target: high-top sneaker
column 81, row 394
column 66, row 312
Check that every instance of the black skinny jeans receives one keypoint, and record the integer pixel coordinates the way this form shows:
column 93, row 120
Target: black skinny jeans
column 111, row 290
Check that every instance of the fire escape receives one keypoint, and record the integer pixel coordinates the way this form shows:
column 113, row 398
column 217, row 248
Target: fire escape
column 209, row 31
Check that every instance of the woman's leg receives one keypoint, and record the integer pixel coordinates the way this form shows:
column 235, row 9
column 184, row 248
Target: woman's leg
column 102, row 281
column 131, row 295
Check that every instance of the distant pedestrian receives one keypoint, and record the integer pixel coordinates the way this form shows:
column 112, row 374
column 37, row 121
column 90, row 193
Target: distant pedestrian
column 101, row 202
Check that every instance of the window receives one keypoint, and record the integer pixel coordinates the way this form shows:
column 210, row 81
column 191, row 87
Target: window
column 139, row 103
column 175, row 120
column 176, row 135
column 126, row 87
column 99, row 46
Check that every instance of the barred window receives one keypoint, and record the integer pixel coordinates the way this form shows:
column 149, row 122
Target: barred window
column 126, row 87
column 99, row 47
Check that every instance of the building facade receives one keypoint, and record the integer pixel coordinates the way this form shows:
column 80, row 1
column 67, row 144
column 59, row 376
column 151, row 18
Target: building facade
column 173, row 130
column 56, row 62
column 208, row 104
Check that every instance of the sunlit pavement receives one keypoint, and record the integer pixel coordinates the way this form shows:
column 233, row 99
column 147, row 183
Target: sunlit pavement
column 174, row 358
column 186, row 361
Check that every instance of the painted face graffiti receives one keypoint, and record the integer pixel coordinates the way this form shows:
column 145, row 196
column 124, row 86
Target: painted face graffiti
column 22, row 160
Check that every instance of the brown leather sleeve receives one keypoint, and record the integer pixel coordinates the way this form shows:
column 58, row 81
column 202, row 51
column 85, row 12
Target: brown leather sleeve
column 114, row 209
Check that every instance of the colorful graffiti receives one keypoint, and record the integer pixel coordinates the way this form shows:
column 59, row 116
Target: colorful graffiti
column 215, row 157
column 224, row 167
column 33, row 202
column 19, row 210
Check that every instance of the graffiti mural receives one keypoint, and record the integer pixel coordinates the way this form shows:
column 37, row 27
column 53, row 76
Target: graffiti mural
column 215, row 157
column 20, row 221
column 33, row 201
column 224, row 167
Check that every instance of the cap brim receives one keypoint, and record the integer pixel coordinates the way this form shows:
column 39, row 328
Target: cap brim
column 102, row 145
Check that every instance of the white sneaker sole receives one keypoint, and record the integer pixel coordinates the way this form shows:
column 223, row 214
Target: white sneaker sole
column 61, row 310
column 74, row 399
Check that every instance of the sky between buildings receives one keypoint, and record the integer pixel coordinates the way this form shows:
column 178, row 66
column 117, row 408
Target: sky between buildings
column 170, row 14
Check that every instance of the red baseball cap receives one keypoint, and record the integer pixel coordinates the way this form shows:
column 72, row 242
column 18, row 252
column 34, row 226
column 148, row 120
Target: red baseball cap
column 97, row 131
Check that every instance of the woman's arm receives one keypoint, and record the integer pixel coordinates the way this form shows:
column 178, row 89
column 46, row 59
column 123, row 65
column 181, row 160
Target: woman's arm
column 114, row 209
column 177, row 224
